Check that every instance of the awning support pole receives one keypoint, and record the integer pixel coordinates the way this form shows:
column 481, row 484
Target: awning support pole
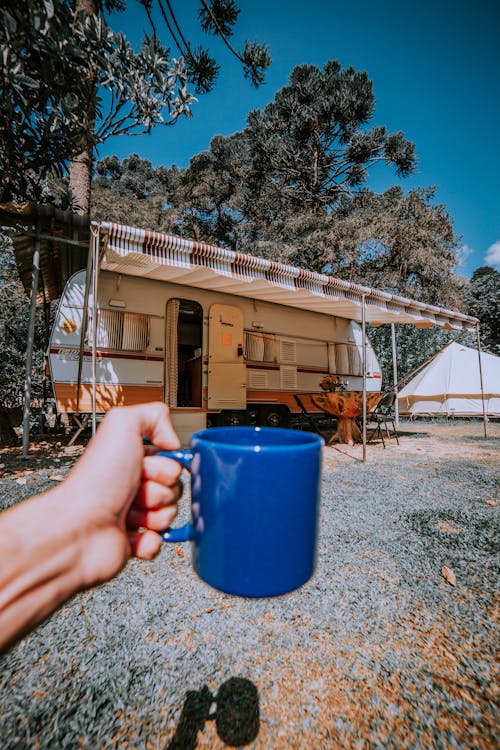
column 95, row 269
column 395, row 372
column 363, row 331
column 485, row 418
column 83, row 331
column 30, row 345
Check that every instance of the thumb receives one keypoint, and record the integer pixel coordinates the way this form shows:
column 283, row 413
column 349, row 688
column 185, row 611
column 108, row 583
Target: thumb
column 153, row 421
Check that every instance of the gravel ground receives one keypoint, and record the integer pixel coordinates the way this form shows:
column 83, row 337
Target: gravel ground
column 378, row 650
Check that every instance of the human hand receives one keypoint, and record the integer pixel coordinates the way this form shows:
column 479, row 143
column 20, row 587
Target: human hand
column 121, row 496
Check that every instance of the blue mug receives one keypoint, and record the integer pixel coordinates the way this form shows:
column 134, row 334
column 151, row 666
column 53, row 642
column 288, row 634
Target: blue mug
column 254, row 503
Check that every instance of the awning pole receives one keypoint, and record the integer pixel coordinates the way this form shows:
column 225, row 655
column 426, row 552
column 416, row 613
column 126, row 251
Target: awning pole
column 30, row 344
column 485, row 418
column 83, row 330
column 395, row 373
column 363, row 331
column 95, row 269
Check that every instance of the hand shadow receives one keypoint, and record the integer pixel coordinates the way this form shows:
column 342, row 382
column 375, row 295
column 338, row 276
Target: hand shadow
column 237, row 717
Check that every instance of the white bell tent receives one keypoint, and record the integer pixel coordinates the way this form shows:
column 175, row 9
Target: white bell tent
column 450, row 385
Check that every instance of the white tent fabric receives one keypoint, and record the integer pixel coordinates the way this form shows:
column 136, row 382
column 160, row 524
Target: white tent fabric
column 450, row 385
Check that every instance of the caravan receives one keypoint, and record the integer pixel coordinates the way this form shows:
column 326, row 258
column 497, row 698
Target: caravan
column 216, row 344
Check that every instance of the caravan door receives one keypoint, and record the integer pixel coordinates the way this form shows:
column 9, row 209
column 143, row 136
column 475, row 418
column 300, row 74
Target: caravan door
column 226, row 364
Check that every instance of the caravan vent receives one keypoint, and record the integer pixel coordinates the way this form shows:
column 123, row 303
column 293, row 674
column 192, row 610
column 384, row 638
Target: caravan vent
column 288, row 378
column 258, row 380
column 120, row 331
column 288, row 351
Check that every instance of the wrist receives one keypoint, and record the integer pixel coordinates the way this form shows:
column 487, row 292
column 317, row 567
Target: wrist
column 41, row 561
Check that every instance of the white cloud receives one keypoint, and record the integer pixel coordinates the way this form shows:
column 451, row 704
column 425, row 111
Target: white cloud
column 463, row 253
column 493, row 255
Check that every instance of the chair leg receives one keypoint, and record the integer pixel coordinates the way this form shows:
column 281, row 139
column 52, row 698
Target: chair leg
column 395, row 432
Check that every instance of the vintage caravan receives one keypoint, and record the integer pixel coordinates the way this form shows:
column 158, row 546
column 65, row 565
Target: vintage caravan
column 222, row 338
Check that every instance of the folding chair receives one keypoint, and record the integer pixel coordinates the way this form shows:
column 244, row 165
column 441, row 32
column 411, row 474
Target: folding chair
column 382, row 417
column 313, row 422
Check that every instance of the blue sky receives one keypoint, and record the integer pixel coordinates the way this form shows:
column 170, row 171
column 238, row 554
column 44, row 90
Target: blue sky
column 435, row 68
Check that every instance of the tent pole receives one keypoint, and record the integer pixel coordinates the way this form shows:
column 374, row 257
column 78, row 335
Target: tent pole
column 395, row 372
column 363, row 330
column 485, row 418
column 95, row 270
column 30, row 344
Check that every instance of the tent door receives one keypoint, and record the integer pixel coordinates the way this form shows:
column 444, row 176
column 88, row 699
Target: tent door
column 226, row 364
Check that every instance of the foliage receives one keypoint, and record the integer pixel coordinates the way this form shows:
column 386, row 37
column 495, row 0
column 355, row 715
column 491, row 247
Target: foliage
column 309, row 146
column 285, row 174
column 207, row 195
column 14, row 331
column 290, row 187
column 401, row 242
column 108, row 205
column 218, row 18
column 483, row 300
column 134, row 176
column 46, row 53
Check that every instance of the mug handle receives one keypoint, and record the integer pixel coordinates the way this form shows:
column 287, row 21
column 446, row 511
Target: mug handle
column 182, row 533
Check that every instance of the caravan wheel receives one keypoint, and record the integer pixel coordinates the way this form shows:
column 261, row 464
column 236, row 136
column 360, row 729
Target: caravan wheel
column 233, row 418
column 273, row 416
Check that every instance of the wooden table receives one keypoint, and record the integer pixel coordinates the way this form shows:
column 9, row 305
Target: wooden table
column 347, row 406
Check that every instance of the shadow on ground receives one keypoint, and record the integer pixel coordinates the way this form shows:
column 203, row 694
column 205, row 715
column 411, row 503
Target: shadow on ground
column 236, row 715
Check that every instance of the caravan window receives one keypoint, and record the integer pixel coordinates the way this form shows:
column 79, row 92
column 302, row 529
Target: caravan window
column 261, row 347
column 347, row 359
column 119, row 330
column 183, row 352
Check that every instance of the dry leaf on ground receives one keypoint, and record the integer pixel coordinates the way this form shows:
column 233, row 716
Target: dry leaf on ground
column 490, row 501
column 56, row 478
column 448, row 528
column 180, row 552
column 449, row 575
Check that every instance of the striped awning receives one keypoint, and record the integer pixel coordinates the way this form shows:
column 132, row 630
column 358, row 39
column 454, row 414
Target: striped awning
column 154, row 255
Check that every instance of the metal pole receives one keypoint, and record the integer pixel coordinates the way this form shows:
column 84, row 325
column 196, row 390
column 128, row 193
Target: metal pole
column 30, row 344
column 83, row 330
column 95, row 268
column 363, row 331
column 395, row 373
column 485, row 418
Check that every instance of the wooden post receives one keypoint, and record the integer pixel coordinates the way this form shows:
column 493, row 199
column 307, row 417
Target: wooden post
column 30, row 344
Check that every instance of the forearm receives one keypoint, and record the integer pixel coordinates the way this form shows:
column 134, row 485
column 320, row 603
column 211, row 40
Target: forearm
column 40, row 564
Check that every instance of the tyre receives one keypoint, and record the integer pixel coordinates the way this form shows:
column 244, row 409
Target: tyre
column 273, row 416
column 232, row 418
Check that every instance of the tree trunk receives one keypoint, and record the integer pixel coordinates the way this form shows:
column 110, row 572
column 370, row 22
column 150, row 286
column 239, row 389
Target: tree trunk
column 80, row 170
column 7, row 433
column 80, row 179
